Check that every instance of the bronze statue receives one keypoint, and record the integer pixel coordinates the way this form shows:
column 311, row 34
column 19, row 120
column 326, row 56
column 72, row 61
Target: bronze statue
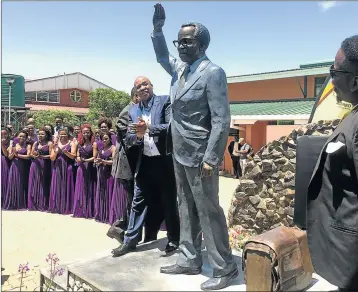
column 199, row 129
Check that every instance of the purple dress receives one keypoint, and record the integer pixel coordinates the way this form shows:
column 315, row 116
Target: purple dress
column 16, row 194
column 105, row 187
column 118, row 205
column 62, row 184
column 100, row 143
column 40, row 181
column 32, row 140
column 85, row 184
column 5, row 166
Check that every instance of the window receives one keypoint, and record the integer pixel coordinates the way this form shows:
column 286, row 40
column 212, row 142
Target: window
column 281, row 122
column 30, row 96
column 54, row 96
column 43, row 96
column 318, row 84
column 75, row 95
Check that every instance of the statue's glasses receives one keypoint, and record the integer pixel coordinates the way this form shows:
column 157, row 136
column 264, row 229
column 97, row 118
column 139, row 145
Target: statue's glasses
column 334, row 72
column 184, row 42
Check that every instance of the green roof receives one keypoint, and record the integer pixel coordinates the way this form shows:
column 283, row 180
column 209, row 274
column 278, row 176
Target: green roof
column 279, row 107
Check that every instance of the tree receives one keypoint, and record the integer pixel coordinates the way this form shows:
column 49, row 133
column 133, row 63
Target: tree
column 44, row 117
column 106, row 102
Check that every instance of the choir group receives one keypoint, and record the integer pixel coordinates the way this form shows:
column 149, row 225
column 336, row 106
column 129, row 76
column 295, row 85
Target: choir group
column 62, row 170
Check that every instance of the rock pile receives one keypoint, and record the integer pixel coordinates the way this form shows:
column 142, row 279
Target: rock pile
column 264, row 198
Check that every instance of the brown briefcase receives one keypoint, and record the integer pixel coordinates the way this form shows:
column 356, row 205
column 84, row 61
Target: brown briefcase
column 277, row 260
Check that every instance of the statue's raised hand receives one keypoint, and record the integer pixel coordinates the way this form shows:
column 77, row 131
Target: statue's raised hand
column 158, row 17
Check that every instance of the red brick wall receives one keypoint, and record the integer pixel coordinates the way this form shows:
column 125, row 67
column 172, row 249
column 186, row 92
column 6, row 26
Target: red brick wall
column 65, row 99
column 284, row 88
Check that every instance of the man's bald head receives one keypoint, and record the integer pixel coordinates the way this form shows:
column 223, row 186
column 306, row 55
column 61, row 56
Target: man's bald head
column 144, row 88
column 31, row 121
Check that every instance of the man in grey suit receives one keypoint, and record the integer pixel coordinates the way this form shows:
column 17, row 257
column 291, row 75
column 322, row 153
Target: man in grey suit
column 332, row 203
column 123, row 168
column 199, row 129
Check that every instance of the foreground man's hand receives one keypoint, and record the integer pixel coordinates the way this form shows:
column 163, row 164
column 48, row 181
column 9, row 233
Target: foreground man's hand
column 206, row 170
column 158, row 17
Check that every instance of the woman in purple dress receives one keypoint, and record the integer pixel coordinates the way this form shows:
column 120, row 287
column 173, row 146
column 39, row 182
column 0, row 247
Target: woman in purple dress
column 118, row 204
column 51, row 129
column 105, row 181
column 104, row 126
column 32, row 136
column 16, row 194
column 86, row 174
column 62, row 182
column 5, row 162
column 40, row 172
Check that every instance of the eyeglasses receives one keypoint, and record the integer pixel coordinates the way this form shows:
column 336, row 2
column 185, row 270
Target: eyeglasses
column 184, row 42
column 334, row 72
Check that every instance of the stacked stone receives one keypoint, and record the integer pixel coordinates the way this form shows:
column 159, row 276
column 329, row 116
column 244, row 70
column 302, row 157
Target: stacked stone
column 264, row 198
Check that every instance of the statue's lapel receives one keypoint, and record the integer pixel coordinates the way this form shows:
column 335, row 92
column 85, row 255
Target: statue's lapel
column 192, row 79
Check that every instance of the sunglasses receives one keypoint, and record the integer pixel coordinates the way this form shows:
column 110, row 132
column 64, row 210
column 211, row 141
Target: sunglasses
column 334, row 72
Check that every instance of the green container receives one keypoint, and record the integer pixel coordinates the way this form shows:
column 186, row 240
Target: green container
column 17, row 90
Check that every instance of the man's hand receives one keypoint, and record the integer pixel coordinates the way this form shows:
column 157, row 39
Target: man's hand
column 140, row 128
column 206, row 170
column 158, row 17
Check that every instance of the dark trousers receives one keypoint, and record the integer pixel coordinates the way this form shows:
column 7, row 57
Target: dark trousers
column 236, row 165
column 155, row 199
column 119, row 227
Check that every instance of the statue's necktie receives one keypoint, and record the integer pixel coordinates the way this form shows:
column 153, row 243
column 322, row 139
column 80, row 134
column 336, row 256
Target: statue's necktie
column 184, row 76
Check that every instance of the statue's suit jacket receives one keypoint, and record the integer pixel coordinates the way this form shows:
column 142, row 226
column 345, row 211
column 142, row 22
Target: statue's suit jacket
column 200, row 121
column 332, row 207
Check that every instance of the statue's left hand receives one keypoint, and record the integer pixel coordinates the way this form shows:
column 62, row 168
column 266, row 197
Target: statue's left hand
column 206, row 170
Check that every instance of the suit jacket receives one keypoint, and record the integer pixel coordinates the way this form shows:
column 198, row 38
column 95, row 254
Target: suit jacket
column 200, row 121
column 332, row 207
column 125, row 160
column 160, row 117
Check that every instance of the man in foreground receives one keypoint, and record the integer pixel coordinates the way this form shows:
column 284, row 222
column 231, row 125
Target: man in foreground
column 332, row 214
column 200, row 127
column 154, row 189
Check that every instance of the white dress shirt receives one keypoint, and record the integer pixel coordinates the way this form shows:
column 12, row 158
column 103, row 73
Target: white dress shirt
column 150, row 149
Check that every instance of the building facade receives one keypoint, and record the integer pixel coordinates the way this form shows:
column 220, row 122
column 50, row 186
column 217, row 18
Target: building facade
column 269, row 105
column 62, row 92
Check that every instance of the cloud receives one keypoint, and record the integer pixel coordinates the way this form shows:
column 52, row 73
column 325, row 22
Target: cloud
column 326, row 5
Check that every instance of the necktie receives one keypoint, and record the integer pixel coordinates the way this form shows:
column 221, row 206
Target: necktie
column 184, row 77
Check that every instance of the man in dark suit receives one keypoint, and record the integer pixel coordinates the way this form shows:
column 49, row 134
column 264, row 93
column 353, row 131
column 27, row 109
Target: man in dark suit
column 332, row 207
column 154, row 189
column 200, row 127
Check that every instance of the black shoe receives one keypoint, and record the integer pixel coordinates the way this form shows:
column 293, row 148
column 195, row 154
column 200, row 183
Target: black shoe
column 171, row 247
column 122, row 250
column 219, row 283
column 115, row 235
column 177, row 270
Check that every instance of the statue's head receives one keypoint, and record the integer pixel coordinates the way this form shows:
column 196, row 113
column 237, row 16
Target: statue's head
column 193, row 40
column 344, row 72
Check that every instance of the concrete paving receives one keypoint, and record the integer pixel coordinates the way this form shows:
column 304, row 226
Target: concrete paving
column 140, row 271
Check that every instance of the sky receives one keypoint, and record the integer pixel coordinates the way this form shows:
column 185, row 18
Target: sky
column 110, row 41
